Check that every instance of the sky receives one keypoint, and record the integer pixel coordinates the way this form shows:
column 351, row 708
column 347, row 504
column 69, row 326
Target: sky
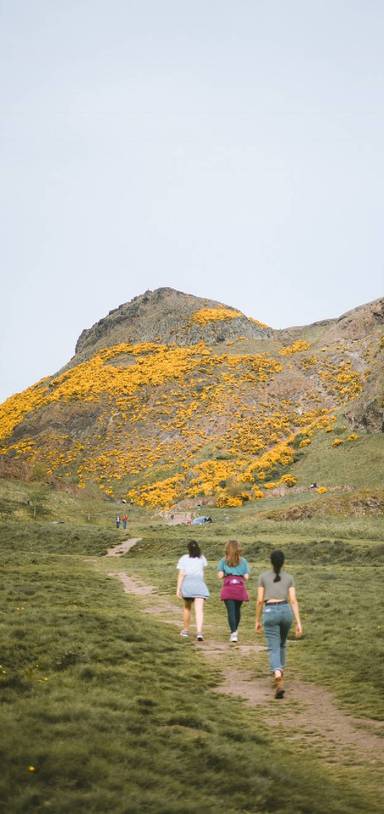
column 231, row 150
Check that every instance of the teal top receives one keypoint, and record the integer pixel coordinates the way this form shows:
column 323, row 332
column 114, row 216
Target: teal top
column 238, row 570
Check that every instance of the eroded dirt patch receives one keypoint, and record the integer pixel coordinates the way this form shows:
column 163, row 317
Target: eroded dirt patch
column 122, row 548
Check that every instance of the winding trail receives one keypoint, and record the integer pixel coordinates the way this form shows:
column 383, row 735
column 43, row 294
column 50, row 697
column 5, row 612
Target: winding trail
column 308, row 714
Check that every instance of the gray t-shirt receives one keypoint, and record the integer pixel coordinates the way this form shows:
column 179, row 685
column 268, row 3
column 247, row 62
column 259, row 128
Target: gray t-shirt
column 275, row 590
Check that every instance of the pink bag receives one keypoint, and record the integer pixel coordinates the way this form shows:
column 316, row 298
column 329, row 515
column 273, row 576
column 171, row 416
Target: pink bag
column 234, row 588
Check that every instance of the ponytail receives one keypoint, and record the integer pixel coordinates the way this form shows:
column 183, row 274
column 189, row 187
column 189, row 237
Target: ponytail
column 277, row 560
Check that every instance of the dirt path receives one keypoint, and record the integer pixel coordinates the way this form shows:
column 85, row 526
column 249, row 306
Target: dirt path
column 122, row 548
column 308, row 713
column 311, row 711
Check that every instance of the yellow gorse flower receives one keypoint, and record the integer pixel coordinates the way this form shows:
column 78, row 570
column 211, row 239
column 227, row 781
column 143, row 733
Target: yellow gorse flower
column 205, row 315
column 153, row 405
column 296, row 347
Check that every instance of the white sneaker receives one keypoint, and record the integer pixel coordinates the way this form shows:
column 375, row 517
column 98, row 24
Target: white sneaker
column 200, row 637
column 233, row 637
column 184, row 634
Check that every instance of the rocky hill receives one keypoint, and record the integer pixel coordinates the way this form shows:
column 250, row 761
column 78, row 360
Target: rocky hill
column 169, row 317
column 174, row 397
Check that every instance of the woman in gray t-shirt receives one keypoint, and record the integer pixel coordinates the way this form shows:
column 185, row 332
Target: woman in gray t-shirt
column 276, row 599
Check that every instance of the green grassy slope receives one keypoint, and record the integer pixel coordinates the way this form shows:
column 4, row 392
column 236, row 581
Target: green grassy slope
column 357, row 464
column 106, row 710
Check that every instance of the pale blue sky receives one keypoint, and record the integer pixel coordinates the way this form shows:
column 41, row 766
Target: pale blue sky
column 233, row 150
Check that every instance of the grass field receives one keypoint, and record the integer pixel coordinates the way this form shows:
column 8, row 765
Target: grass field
column 106, row 709
column 343, row 632
column 356, row 464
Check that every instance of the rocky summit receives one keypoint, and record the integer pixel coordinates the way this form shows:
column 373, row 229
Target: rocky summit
column 172, row 398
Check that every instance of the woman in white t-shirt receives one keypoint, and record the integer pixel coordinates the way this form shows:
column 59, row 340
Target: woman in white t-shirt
column 192, row 588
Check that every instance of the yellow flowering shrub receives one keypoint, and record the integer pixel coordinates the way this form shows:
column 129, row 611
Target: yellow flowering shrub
column 254, row 443
column 231, row 501
column 337, row 442
column 308, row 362
column 205, row 315
column 160, row 494
column 296, row 347
column 148, row 405
column 280, row 454
column 259, row 324
column 17, row 407
column 288, row 480
column 353, row 437
column 285, row 480
column 321, row 490
column 209, row 475
column 341, row 380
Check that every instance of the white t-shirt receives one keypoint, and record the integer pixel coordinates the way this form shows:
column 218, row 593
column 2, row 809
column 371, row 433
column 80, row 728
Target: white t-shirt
column 192, row 566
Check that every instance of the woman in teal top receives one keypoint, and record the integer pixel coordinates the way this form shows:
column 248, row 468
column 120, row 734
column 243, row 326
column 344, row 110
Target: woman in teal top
column 233, row 592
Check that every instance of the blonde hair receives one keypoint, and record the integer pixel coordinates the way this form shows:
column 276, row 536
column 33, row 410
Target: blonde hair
column 232, row 553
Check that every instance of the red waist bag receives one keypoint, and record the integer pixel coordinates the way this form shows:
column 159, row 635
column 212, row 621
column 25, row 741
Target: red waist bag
column 234, row 588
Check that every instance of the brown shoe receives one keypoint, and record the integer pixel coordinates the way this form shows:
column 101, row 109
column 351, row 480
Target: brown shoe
column 279, row 687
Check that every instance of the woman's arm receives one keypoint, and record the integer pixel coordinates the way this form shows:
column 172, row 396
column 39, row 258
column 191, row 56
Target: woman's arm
column 180, row 578
column 220, row 574
column 295, row 609
column 259, row 607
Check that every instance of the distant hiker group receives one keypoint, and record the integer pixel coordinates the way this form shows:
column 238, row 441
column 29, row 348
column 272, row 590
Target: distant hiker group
column 121, row 519
column 276, row 605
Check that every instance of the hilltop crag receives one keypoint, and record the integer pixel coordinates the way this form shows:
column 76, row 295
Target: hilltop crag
column 169, row 317
column 172, row 397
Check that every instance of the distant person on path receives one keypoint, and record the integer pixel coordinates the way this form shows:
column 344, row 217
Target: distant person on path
column 192, row 588
column 276, row 601
column 125, row 520
column 117, row 521
column 234, row 571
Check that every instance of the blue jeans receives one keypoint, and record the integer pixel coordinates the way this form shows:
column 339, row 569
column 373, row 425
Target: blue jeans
column 277, row 620
column 234, row 612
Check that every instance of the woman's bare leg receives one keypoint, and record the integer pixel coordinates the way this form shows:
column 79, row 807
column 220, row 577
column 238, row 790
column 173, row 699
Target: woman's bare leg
column 199, row 614
column 187, row 613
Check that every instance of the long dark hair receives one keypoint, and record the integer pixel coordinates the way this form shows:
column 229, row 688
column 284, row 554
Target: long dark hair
column 277, row 560
column 194, row 549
